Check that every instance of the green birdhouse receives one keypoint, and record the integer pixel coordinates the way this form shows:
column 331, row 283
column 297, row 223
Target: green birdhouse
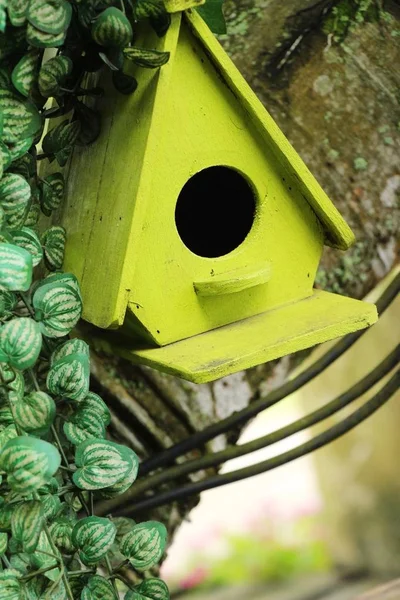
column 194, row 227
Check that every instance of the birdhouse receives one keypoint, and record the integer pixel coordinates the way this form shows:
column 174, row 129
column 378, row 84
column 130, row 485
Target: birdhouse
column 195, row 229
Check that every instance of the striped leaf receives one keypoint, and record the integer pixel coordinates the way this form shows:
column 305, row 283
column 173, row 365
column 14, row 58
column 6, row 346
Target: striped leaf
column 26, row 524
column 6, row 416
column 102, row 464
column 10, row 586
column 49, row 16
column 8, row 301
column 53, row 74
column 98, row 588
column 153, row 9
column 29, row 463
column 74, row 346
column 58, row 307
column 60, row 137
column 15, row 384
column 19, row 148
column 69, row 377
column 149, row 589
column 21, row 118
column 124, row 526
column 43, row 557
column 24, row 165
column 121, row 486
column 93, row 536
column 20, row 342
column 3, row 17
column 150, row 59
column 25, row 72
column 6, row 511
column 17, row 12
column 51, row 505
column 35, row 413
column 27, row 238
column 15, row 193
column 66, row 279
column 61, row 532
column 52, row 192
column 40, row 39
column 54, row 246
column 6, row 155
column 3, row 542
column 112, row 29
column 95, row 403
column 33, row 215
column 84, row 425
column 144, row 545
column 15, row 268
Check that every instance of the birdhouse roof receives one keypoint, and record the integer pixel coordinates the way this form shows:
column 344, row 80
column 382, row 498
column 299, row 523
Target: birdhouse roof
column 336, row 231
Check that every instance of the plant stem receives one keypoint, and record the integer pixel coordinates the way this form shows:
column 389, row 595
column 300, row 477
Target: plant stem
column 110, row 572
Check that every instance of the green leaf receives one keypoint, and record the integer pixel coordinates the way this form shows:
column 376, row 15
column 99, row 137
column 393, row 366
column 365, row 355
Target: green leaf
column 29, row 462
column 3, row 18
column 6, row 155
column 84, row 425
column 26, row 238
column 149, row 589
column 25, row 72
column 17, row 12
column 93, row 536
column 10, row 586
column 124, row 525
column 124, row 84
column 74, row 346
column 43, row 557
column 26, row 524
column 3, row 543
column 144, row 545
column 40, row 39
column 20, row 148
column 102, row 464
column 90, row 124
column 61, row 532
column 15, row 193
column 8, row 301
column 148, row 8
column 24, row 165
column 21, row 118
column 94, row 402
column 212, row 14
column 62, row 137
column 121, row 486
column 69, row 377
column 20, row 342
column 52, row 192
column 112, row 29
column 58, row 306
column 51, row 505
column 35, row 413
column 98, row 588
column 15, row 268
column 50, row 16
column 54, row 246
column 53, row 75
column 150, row 59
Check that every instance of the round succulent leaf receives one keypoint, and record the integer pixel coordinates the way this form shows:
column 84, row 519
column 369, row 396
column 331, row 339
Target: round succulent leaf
column 29, row 463
column 40, row 39
column 61, row 532
column 112, row 29
column 152, row 9
column 53, row 241
column 24, row 165
column 6, row 416
column 93, row 536
column 33, row 215
column 122, row 485
column 43, row 557
column 52, row 192
column 8, row 301
column 26, row 524
column 6, row 434
column 102, row 463
column 95, row 403
column 53, row 74
column 15, row 193
column 17, row 12
column 124, row 525
column 28, row 239
column 84, row 425
column 98, row 588
column 150, row 59
column 74, row 346
column 49, row 16
column 58, row 307
column 15, row 268
column 3, row 542
column 21, row 117
column 35, row 413
column 149, row 589
column 124, row 84
column 69, row 377
column 51, row 505
column 61, row 137
column 10, row 586
column 25, row 72
column 19, row 149
column 6, row 155
column 20, row 342
column 145, row 544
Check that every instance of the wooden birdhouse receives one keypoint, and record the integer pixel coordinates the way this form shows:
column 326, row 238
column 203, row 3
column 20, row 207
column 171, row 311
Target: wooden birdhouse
column 195, row 229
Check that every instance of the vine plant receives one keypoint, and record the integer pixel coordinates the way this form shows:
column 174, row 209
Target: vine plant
column 55, row 458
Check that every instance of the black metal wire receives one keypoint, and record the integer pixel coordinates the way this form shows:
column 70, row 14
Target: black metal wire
column 258, row 404
column 331, row 434
column 235, row 451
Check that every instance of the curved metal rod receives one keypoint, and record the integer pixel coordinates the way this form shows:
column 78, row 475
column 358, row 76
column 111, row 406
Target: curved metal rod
column 331, row 434
column 258, row 404
column 234, row 451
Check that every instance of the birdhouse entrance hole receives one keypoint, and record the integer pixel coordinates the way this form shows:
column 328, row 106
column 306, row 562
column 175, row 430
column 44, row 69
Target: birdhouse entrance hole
column 215, row 211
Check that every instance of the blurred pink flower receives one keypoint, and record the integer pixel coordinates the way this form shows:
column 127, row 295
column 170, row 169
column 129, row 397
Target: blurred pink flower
column 194, row 578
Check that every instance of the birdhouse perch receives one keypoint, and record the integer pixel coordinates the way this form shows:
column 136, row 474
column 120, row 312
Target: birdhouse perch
column 194, row 227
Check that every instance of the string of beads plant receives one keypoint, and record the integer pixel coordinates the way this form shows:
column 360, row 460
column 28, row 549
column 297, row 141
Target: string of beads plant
column 55, row 458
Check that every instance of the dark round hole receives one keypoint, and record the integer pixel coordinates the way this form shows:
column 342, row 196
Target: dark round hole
column 215, row 211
